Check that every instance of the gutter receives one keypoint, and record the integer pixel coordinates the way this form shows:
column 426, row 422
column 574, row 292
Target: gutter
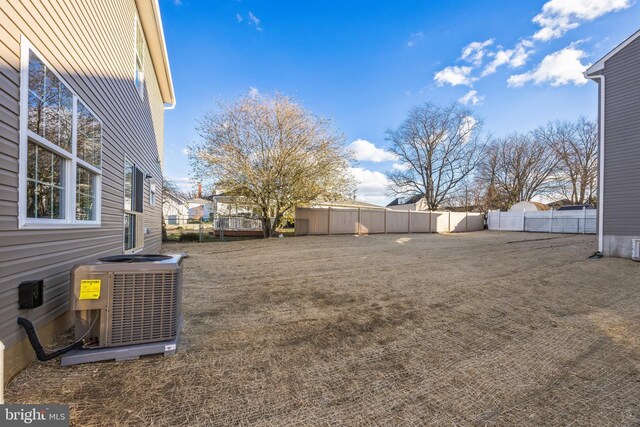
column 1, row 373
column 601, row 78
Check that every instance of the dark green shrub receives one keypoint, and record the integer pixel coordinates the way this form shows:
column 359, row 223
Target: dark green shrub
column 190, row 237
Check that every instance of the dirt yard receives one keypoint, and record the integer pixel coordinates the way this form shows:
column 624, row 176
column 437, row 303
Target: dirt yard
column 478, row 329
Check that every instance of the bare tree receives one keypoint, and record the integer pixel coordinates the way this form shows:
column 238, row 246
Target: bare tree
column 273, row 153
column 438, row 147
column 576, row 146
column 516, row 168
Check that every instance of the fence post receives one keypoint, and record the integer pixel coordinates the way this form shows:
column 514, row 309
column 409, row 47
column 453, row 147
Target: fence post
column 551, row 221
column 409, row 221
column 430, row 221
column 524, row 220
column 385, row 221
column 359, row 219
column 499, row 229
column 449, row 222
column 584, row 220
column 329, row 222
column 466, row 221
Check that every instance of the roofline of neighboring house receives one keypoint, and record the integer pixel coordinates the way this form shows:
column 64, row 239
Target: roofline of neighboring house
column 177, row 198
column 149, row 15
column 599, row 65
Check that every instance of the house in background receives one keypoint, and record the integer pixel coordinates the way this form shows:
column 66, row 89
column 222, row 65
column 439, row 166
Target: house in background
column 200, row 208
column 528, row 206
column 414, row 203
column 618, row 78
column 83, row 92
column 348, row 203
column 175, row 209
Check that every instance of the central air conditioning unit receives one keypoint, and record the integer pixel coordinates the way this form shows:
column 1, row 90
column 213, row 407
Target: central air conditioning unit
column 126, row 306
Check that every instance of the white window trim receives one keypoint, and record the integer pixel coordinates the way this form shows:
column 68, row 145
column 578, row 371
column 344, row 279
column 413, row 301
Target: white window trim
column 71, row 158
column 140, row 90
column 139, row 215
column 153, row 195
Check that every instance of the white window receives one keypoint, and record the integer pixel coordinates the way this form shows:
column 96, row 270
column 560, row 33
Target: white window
column 60, row 150
column 152, row 194
column 140, row 47
column 133, row 207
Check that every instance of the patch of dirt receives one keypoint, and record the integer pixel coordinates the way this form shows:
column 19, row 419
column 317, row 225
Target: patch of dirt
column 486, row 329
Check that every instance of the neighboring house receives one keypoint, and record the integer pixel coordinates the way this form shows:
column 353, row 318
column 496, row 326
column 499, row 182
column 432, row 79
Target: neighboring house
column 346, row 204
column 559, row 203
column 415, row 203
column 618, row 78
column 83, row 89
column 575, row 207
column 175, row 209
column 528, row 206
column 200, row 208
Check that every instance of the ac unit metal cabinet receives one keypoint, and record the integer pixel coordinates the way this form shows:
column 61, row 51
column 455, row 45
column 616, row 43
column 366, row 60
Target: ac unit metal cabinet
column 127, row 300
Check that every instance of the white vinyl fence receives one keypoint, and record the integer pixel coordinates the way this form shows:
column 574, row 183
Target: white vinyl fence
column 570, row 221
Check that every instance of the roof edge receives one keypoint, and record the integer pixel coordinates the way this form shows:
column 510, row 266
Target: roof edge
column 151, row 21
column 599, row 65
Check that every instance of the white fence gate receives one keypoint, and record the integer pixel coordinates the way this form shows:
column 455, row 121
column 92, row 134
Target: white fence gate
column 569, row 221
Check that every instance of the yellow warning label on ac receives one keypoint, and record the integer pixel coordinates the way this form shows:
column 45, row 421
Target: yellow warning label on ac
column 89, row 289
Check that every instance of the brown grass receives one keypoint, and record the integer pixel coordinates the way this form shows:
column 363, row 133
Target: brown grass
column 477, row 329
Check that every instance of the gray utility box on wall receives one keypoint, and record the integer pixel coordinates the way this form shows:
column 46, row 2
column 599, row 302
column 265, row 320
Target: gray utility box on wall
column 126, row 306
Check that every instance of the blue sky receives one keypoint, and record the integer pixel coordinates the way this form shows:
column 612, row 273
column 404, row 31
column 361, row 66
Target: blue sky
column 517, row 64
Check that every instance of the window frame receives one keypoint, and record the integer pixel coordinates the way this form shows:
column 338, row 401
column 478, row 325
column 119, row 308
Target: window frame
column 71, row 159
column 153, row 195
column 142, row 83
column 139, row 216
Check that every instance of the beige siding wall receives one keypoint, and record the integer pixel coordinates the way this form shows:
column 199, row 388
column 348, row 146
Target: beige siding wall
column 91, row 46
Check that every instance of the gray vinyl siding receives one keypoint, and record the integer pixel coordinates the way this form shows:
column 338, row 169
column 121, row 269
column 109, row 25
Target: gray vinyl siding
column 622, row 143
column 90, row 44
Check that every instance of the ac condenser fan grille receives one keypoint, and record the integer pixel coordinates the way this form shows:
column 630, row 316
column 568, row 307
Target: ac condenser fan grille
column 144, row 307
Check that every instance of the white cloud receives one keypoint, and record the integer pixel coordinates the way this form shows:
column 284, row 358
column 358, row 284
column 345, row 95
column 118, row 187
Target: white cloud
column 177, row 2
column 400, row 166
column 372, row 186
column 255, row 21
column 184, row 184
column 366, row 151
column 557, row 69
column 185, row 151
column 467, row 128
column 239, row 17
column 514, row 58
column 559, row 16
column 454, row 76
column 474, row 52
column 415, row 38
column 253, row 92
column 471, row 97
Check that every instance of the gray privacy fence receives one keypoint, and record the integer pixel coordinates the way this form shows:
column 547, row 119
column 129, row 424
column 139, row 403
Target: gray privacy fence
column 571, row 221
column 370, row 220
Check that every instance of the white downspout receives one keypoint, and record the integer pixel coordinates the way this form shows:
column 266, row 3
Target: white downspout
column 600, row 164
column 1, row 373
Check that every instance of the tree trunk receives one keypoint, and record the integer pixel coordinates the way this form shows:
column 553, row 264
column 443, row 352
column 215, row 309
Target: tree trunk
column 266, row 227
column 164, row 229
column 276, row 222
